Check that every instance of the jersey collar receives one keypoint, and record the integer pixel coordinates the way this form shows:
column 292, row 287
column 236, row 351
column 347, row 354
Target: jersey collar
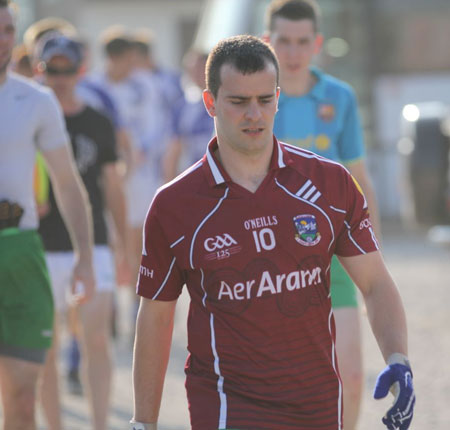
column 217, row 175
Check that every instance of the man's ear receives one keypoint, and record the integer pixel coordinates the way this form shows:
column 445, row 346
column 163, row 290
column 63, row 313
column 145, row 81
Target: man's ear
column 318, row 43
column 209, row 102
column 266, row 37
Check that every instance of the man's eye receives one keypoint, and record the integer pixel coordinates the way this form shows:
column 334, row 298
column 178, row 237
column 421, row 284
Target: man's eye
column 236, row 102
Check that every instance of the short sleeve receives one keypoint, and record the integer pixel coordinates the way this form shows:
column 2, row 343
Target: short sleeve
column 356, row 235
column 159, row 275
column 351, row 143
column 51, row 132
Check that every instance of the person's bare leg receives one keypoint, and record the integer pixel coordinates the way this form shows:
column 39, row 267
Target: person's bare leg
column 348, row 348
column 18, row 381
column 49, row 384
column 135, row 237
column 95, row 319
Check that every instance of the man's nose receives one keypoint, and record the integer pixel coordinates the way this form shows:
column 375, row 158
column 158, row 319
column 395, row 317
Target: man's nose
column 254, row 111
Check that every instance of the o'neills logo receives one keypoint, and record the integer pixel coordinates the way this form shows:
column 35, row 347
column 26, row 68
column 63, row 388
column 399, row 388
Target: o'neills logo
column 268, row 284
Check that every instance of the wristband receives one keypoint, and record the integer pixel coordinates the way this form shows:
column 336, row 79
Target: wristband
column 136, row 425
column 397, row 358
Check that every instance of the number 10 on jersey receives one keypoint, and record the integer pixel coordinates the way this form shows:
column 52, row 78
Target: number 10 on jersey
column 264, row 239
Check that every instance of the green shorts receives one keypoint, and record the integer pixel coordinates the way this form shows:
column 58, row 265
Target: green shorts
column 26, row 301
column 343, row 290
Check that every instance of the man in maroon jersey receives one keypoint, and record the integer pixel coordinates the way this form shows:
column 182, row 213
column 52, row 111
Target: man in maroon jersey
column 251, row 229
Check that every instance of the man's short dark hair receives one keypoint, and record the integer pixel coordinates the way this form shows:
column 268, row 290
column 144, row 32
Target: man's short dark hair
column 142, row 40
column 117, row 46
column 4, row 3
column 294, row 10
column 141, row 48
column 115, row 41
column 247, row 54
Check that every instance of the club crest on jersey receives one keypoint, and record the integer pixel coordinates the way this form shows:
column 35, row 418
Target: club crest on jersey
column 306, row 227
column 327, row 112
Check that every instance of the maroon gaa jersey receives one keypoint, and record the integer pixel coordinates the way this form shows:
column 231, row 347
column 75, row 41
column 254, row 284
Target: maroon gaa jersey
column 261, row 333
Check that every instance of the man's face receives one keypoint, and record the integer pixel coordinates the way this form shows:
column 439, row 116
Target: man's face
column 61, row 75
column 7, row 37
column 244, row 108
column 295, row 43
column 123, row 64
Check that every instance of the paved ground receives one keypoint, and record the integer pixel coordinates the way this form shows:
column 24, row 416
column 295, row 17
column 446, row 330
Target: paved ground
column 422, row 271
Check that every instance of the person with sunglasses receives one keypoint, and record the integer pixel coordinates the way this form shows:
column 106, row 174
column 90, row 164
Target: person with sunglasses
column 31, row 120
column 93, row 142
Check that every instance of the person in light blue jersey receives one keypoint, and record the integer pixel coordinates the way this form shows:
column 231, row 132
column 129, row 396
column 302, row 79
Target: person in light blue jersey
column 324, row 120
column 319, row 112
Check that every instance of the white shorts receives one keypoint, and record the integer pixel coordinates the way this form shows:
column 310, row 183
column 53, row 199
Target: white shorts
column 140, row 189
column 60, row 267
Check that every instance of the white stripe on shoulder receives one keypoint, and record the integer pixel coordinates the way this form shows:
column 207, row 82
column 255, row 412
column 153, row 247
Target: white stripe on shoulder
column 308, row 154
column 338, row 210
column 309, row 192
column 315, row 197
column 304, row 187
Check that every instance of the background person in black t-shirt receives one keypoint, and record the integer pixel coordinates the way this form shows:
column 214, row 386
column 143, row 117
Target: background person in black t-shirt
column 93, row 144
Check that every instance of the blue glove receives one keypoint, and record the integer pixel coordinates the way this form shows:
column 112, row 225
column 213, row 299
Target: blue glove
column 397, row 378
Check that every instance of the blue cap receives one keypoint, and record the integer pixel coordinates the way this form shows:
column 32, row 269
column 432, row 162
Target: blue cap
column 59, row 45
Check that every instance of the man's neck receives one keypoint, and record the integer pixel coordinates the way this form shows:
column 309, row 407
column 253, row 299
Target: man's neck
column 70, row 104
column 246, row 170
column 299, row 85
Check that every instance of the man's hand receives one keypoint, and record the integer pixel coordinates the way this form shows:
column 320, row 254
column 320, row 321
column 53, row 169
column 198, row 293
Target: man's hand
column 83, row 281
column 397, row 377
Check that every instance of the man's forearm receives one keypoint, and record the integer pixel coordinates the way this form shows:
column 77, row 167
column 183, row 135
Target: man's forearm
column 115, row 202
column 387, row 319
column 75, row 208
column 151, row 355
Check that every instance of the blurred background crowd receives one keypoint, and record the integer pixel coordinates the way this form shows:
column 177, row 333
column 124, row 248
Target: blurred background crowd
column 393, row 53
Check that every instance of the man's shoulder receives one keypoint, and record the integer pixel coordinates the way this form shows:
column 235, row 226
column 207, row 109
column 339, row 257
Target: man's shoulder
column 311, row 164
column 183, row 186
column 95, row 115
column 316, row 172
column 333, row 84
column 26, row 87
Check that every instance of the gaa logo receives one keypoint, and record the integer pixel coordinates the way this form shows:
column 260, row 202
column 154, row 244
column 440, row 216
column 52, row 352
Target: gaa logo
column 365, row 224
column 219, row 242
